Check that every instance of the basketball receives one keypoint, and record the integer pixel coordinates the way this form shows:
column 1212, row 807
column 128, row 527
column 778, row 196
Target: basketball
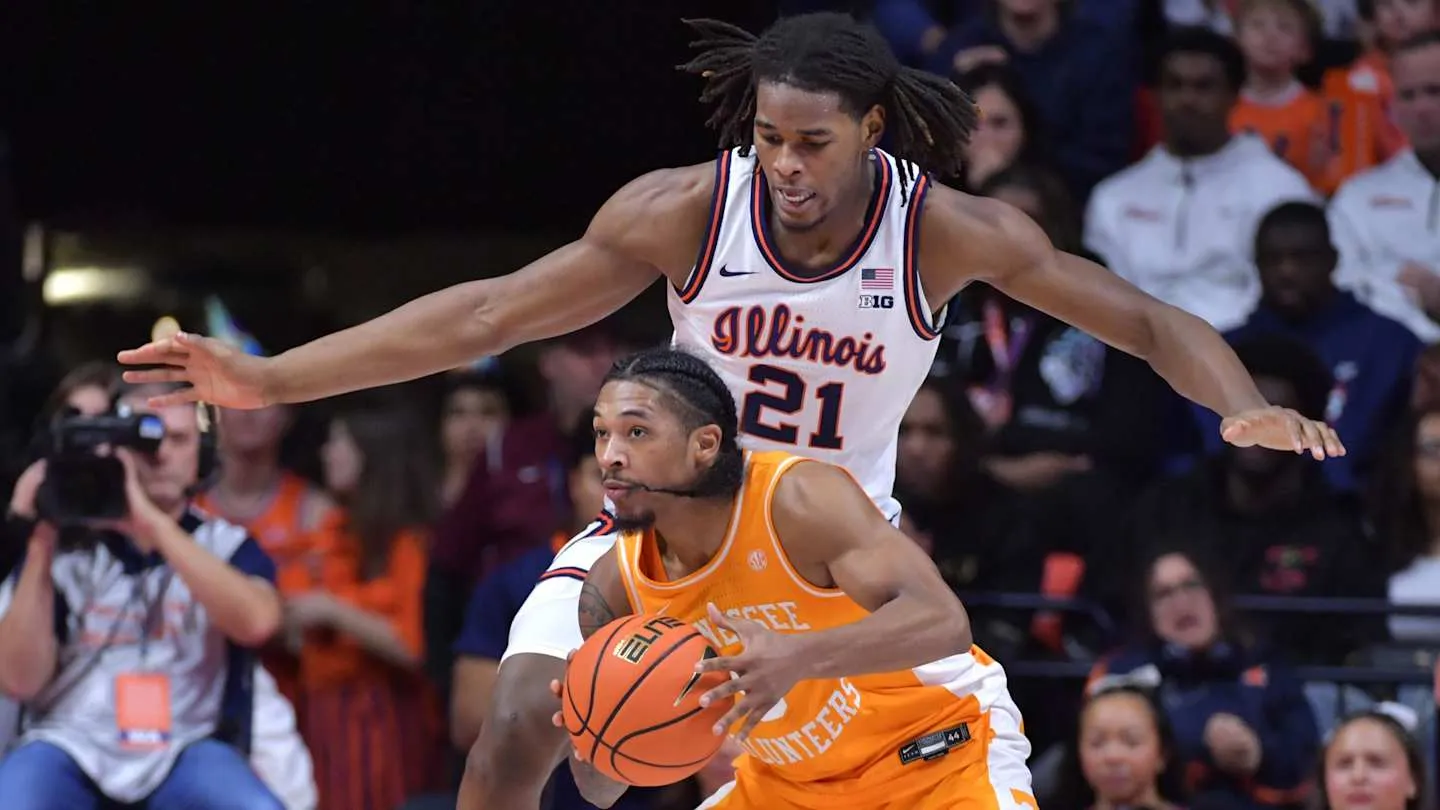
column 631, row 701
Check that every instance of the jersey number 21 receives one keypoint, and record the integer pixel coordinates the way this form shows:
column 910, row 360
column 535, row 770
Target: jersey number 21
column 784, row 392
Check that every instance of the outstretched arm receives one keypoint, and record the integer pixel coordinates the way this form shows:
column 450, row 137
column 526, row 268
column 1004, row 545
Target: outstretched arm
column 831, row 531
column 993, row 242
column 651, row 227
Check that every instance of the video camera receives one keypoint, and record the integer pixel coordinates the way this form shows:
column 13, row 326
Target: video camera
column 81, row 485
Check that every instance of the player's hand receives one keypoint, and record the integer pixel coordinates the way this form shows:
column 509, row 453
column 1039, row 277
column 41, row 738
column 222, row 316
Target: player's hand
column 1281, row 429
column 766, row 670
column 216, row 372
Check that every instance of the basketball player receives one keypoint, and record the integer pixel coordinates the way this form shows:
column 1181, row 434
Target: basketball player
column 810, row 266
column 858, row 685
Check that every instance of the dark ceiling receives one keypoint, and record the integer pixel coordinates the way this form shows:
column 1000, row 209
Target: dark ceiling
column 356, row 116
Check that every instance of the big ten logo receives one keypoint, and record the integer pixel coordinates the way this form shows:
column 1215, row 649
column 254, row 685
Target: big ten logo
column 877, row 302
column 633, row 648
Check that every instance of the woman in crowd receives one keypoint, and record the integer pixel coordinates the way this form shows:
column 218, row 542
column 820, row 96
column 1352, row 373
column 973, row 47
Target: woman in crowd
column 369, row 719
column 1373, row 762
column 1124, row 753
column 1243, row 728
column 1405, row 509
column 1008, row 132
column 477, row 403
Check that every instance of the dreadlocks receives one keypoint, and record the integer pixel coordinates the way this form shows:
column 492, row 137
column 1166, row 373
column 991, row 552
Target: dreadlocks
column 831, row 53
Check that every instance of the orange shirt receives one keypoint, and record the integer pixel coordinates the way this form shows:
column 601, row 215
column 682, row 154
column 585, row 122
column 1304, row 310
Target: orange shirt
column 281, row 532
column 832, row 741
column 328, row 658
column 1296, row 131
column 1359, row 101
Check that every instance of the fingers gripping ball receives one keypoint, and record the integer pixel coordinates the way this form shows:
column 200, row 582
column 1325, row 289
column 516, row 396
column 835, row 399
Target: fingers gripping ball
column 631, row 701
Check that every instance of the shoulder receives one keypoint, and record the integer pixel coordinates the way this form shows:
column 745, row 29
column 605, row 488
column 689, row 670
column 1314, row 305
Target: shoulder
column 1279, row 180
column 985, row 236
column 815, row 498
column 215, row 533
column 660, row 217
column 674, row 190
column 1367, row 183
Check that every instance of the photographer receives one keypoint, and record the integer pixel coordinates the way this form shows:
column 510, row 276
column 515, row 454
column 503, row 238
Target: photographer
column 128, row 651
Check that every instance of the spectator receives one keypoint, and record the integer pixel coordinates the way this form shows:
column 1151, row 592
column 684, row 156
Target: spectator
column 1277, row 37
column 277, row 753
column 913, row 30
column 1405, row 507
column 1384, row 219
column 1007, row 132
column 280, row 509
column 1373, row 762
column 515, row 497
column 480, row 404
column 1058, row 400
column 917, row 28
column 975, row 526
column 1271, row 516
column 1361, row 95
column 1180, row 224
column 1242, row 724
column 1078, row 74
column 1371, row 357
column 90, row 666
column 372, row 726
column 479, row 401
column 1124, row 754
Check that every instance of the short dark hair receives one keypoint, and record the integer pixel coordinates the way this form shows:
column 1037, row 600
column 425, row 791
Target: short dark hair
column 1282, row 358
column 1294, row 214
column 693, row 391
column 830, row 52
column 1193, row 39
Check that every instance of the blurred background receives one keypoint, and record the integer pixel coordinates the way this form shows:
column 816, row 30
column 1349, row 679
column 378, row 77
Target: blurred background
column 288, row 171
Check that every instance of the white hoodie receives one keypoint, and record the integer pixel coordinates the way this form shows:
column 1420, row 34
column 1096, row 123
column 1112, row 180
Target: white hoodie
column 1380, row 219
column 1184, row 230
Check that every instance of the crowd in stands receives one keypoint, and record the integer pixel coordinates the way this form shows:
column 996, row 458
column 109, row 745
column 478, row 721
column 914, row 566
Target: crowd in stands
column 1268, row 165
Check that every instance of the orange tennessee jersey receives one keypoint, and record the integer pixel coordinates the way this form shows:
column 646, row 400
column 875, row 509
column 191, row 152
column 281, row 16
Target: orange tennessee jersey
column 1363, row 130
column 1296, row 131
column 856, row 741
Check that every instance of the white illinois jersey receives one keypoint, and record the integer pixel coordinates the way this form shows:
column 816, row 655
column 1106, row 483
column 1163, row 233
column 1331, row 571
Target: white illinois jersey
column 822, row 363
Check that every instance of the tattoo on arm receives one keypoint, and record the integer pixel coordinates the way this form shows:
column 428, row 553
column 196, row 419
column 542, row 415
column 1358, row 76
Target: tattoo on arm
column 595, row 612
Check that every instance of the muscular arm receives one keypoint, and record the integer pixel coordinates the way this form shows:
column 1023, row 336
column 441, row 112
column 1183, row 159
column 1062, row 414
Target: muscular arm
column 990, row 241
column 602, row 600
column 834, row 535
column 651, row 227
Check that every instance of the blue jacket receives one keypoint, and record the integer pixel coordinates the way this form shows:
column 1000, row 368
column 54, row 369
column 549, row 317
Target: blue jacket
column 1373, row 361
column 1081, row 82
column 486, row 633
column 1264, row 694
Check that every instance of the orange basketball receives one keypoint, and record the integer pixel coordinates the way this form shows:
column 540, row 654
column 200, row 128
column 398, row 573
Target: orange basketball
column 631, row 701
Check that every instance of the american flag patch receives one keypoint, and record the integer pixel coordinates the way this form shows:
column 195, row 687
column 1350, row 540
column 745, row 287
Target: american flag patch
column 876, row 279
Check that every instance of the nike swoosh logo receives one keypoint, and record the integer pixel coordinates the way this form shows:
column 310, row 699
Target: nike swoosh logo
column 726, row 272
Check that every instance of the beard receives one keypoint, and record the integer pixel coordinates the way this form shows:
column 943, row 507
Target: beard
column 640, row 521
